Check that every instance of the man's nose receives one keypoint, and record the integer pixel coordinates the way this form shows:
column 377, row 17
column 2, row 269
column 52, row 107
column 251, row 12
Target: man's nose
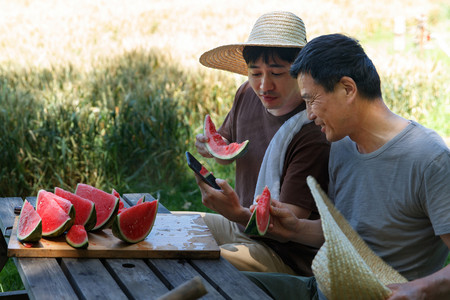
column 266, row 83
column 310, row 113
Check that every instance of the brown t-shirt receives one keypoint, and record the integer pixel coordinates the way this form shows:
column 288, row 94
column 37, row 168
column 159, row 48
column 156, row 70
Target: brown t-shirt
column 307, row 154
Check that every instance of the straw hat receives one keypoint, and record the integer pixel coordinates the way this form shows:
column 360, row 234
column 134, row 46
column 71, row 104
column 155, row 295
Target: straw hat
column 345, row 267
column 275, row 29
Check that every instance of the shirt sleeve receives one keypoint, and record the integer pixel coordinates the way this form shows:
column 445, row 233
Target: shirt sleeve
column 435, row 191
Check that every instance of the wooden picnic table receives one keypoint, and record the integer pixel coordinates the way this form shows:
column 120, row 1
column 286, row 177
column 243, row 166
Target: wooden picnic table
column 120, row 278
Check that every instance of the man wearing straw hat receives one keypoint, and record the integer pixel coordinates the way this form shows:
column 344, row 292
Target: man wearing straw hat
column 389, row 183
column 284, row 146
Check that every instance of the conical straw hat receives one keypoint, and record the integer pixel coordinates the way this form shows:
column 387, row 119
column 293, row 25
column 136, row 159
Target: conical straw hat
column 275, row 29
column 345, row 267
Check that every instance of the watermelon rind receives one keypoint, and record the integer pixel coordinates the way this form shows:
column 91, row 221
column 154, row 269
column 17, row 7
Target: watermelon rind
column 218, row 147
column 251, row 227
column 77, row 237
column 122, row 219
column 262, row 210
column 88, row 219
column 51, row 213
column 29, row 217
column 99, row 197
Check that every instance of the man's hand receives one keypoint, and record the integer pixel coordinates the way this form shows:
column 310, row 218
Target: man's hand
column 284, row 224
column 224, row 201
column 434, row 286
column 406, row 291
column 200, row 141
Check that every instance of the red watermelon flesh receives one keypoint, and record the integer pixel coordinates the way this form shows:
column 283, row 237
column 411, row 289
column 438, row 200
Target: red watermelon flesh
column 263, row 211
column 135, row 223
column 218, row 147
column 106, row 204
column 55, row 221
column 29, row 228
column 85, row 213
column 66, row 205
column 121, row 205
column 77, row 237
column 141, row 200
column 260, row 219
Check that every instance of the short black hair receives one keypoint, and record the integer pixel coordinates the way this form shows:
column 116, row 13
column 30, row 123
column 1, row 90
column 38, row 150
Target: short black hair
column 252, row 53
column 328, row 58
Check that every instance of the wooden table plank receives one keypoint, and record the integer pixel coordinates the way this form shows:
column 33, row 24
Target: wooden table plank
column 177, row 272
column 44, row 279
column 228, row 280
column 136, row 278
column 6, row 215
column 90, row 279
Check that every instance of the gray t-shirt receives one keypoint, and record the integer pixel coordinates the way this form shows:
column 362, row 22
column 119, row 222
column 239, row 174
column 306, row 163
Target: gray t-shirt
column 397, row 197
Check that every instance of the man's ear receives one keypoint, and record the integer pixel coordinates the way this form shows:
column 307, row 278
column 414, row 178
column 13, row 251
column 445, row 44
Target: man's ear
column 350, row 86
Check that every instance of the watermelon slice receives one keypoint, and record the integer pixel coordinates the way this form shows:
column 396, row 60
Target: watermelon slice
column 106, row 205
column 260, row 219
column 85, row 213
column 218, row 147
column 66, row 205
column 121, row 205
column 135, row 223
column 141, row 200
column 77, row 237
column 55, row 221
column 29, row 228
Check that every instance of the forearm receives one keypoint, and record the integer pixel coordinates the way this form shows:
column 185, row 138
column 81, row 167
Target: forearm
column 309, row 233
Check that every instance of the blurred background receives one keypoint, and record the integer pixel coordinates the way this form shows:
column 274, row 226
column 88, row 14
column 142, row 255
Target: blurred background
column 110, row 93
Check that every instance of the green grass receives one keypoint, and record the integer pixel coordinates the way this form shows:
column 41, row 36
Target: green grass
column 10, row 279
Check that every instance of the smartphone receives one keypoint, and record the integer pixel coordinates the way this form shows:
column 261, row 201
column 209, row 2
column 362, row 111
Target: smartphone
column 200, row 170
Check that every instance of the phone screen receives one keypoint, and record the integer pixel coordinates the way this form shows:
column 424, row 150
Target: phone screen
column 200, row 170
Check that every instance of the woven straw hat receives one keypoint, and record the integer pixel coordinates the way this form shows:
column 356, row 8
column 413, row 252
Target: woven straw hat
column 345, row 267
column 274, row 29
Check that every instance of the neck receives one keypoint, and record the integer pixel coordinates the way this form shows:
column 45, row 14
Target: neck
column 376, row 126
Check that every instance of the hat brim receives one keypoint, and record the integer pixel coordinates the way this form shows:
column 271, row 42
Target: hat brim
column 345, row 267
column 229, row 57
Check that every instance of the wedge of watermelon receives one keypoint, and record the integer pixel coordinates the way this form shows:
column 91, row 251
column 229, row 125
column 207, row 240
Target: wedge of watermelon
column 218, row 147
column 135, row 223
column 66, row 205
column 77, row 237
column 29, row 228
column 85, row 213
column 260, row 219
column 121, row 205
column 55, row 221
column 106, row 204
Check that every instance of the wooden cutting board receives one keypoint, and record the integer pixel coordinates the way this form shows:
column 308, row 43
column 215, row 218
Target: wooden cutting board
column 172, row 236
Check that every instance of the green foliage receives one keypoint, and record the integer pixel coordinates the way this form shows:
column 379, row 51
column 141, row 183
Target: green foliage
column 9, row 278
column 125, row 125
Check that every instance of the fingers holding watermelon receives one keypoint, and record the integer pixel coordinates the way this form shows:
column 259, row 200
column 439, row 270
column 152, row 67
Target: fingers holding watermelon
column 200, row 144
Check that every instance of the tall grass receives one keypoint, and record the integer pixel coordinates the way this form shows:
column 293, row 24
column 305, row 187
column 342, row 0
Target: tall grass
column 123, row 125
